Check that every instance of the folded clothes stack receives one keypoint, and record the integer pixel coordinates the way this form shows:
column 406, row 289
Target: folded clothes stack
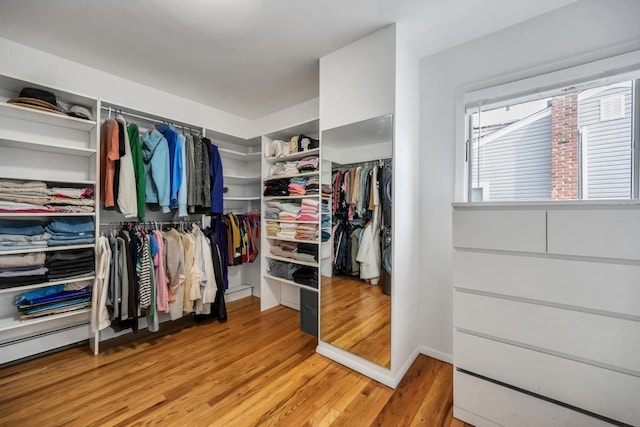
column 326, row 221
column 306, row 232
column 326, row 190
column 53, row 300
column 287, row 231
column 22, row 269
column 22, row 234
column 297, row 186
column 325, row 209
column 308, row 164
column 284, row 249
column 277, row 169
column 276, row 187
column 325, row 236
column 290, row 168
column 70, row 264
column 289, row 211
column 36, row 197
column 306, row 276
column 273, row 210
column 308, row 210
column 71, row 231
column 306, row 252
column 78, row 200
column 313, row 185
column 281, row 269
column 272, row 228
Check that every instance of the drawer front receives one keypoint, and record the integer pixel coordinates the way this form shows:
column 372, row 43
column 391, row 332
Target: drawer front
column 578, row 335
column 597, row 286
column 606, row 233
column 601, row 391
column 508, row 230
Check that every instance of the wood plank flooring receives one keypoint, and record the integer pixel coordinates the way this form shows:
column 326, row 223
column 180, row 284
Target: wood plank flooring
column 256, row 369
column 356, row 317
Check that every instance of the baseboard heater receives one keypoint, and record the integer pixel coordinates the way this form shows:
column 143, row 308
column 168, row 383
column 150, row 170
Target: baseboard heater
column 545, row 398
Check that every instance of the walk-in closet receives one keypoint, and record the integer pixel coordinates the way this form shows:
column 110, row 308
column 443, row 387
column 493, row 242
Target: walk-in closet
column 334, row 213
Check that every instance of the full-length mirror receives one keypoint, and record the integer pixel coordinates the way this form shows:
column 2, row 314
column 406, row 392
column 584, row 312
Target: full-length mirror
column 355, row 308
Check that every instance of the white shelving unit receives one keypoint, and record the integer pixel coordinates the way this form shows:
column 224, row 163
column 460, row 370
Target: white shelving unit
column 276, row 290
column 61, row 151
column 241, row 170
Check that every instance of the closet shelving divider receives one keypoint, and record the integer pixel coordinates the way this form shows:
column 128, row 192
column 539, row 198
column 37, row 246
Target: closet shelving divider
column 59, row 150
column 275, row 290
column 241, row 171
column 326, row 178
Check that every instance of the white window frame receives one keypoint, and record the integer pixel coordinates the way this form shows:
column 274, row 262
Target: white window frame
column 598, row 73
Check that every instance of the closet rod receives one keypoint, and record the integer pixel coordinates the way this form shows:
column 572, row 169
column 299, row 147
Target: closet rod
column 340, row 166
column 152, row 120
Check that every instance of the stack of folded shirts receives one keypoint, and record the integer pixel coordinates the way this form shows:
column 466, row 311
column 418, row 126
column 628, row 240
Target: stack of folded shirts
column 313, row 185
column 71, row 231
column 324, row 209
column 326, row 221
column 281, row 269
column 276, row 187
column 287, row 231
column 22, row 269
column 277, row 169
column 284, row 249
column 308, row 210
column 289, row 211
column 35, row 196
column 306, row 276
column 78, row 200
column 291, row 168
column 70, row 264
column 297, row 186
column 325, row 236
column 273, row 210
column 21, row 234
column 308, row 164
column 23, row 196
column 52, row 300
column 272, row 228
column 327, row 190
column 306, row 252
column 306, row 232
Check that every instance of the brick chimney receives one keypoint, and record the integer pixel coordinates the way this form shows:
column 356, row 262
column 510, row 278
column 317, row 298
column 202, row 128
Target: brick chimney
column 564, row 147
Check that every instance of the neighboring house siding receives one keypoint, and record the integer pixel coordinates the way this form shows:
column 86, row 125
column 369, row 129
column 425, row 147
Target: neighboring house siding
column 608, row 147
column 516, row 166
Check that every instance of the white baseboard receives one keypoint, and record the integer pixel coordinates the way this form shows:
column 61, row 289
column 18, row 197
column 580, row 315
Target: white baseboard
column 237, row 292
column 365, row 367
column 427, row 351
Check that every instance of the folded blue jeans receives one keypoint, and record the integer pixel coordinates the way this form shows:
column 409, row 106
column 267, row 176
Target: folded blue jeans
column 72, row 225
column 20, row 227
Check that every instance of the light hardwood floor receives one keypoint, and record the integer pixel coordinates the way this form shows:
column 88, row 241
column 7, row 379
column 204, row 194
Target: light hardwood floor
column 356, row 317
column 256, row 369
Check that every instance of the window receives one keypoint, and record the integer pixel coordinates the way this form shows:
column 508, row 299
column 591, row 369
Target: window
column 571, row 143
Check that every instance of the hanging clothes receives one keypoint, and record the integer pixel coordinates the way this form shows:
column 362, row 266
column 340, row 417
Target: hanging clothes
column 155, row 153
column 147, row 273
column 108, row 155
column 138, row 168
column 356, row 210
column 127, row 198
column 217, row 181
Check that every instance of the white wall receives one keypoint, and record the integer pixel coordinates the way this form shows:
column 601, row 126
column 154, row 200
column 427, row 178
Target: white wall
column 356, row 81
column 406, row 167
column 576, row 34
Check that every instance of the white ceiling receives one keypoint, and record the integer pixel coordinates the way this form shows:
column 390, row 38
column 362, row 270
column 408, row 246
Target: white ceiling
column 246, row 57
